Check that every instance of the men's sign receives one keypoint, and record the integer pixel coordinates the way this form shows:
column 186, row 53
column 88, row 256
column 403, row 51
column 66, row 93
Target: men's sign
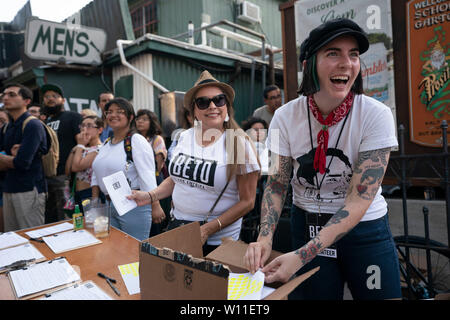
column 46, row 40
column 428, row 26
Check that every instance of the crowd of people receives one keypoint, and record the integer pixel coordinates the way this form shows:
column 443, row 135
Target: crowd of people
column 331, row 144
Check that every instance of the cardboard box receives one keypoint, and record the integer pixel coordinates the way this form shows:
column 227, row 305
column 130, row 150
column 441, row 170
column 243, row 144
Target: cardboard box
column 172, row 267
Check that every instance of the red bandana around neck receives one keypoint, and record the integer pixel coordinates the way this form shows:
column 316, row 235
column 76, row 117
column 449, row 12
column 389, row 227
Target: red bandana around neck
column 322, row 137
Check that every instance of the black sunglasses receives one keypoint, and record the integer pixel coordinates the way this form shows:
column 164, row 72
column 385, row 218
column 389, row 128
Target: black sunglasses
column 204, row 102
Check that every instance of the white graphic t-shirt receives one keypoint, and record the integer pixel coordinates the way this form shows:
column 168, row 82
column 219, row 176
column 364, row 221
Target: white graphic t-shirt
column 370, row 126
column 200, row 175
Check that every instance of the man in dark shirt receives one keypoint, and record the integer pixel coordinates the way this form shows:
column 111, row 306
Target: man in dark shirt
column 24, row 186
column 66, row 125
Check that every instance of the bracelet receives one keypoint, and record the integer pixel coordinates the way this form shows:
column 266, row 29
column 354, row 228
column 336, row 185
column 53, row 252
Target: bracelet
column 80, row 146
column 220, row 224
column 151, row 198
column 154, row 197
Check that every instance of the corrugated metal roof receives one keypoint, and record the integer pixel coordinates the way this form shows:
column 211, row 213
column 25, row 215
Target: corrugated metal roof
column 112, row 16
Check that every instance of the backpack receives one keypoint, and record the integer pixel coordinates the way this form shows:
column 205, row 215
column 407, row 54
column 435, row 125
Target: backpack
column 51, row 158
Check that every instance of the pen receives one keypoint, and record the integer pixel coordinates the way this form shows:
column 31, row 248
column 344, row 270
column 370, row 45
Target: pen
column 106, row 277
column 113, row 287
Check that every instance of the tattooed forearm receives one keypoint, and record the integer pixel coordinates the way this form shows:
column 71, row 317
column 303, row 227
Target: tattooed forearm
column 336, row 219
column 310, row 250
column 274, row 196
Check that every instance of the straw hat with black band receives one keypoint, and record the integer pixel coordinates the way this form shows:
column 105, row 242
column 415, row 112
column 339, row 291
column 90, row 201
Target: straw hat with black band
column 205, row 80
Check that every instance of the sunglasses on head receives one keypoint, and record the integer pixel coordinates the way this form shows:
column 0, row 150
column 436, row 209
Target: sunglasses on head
column 204, row 102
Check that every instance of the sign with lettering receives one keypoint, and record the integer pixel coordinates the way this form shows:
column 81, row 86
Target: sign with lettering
column 374, row 16
column 46, row 40
column 428, row 47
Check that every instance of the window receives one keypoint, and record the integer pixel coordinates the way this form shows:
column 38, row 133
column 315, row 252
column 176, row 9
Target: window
column 144, row 18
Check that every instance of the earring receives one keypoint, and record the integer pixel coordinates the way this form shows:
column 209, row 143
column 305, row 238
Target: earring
column 227, row 118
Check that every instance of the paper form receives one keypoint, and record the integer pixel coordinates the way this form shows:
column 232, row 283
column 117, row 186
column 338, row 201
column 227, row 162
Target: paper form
column 49, row 230
column 85, row 291
column 130, row 275
column 11, row 239
column 245, row 286
column 23, row 252
column 118, row 190
column 70, row 240
column 42, row 276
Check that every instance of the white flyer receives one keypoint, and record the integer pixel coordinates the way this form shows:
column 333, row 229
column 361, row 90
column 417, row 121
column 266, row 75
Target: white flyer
column 118, row 190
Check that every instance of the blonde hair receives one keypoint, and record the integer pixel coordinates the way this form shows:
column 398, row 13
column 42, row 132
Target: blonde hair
column 88, row 112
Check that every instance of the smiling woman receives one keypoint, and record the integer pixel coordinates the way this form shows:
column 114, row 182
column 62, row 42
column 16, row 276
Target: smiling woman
column 338, row 218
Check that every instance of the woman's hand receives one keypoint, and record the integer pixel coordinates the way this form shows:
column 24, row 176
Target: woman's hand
column 141, row 197
column 83, row 138
column 282, row 268
column 257, row 254
column 204, row 234
column 158, row 214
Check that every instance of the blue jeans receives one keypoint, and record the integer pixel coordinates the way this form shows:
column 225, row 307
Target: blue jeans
column 366, row 259
column 136, row 222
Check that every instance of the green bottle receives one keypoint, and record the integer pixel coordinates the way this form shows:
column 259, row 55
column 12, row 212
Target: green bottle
column 77, row 219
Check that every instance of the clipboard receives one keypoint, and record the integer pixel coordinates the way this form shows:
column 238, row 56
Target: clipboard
column 16, row 240
column 50, row 241
column 85, row 284
column 45, row 291
column 24, row 260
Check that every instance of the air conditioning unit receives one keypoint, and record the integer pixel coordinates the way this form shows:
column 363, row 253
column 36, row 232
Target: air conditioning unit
column 249, row 12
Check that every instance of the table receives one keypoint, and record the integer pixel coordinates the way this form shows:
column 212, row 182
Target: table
column 117, row 249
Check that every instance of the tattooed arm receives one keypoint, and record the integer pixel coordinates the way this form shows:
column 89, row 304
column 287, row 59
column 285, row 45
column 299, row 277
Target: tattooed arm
column 368, row 173
column 271, row 207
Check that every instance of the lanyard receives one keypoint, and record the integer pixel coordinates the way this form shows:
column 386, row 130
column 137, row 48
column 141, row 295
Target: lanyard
column 332, row 157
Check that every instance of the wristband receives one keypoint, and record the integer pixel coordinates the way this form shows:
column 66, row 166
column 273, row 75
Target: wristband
column 220, row 224
column 80, row 146
column 151, row 198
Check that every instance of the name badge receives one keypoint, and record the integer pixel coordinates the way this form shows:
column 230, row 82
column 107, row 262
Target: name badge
column 314, row 223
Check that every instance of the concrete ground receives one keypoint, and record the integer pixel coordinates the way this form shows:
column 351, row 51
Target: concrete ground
column 436, row 218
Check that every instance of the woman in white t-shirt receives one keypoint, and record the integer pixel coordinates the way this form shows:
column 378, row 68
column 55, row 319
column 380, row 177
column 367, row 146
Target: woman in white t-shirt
column 337, row 141
column 137, row 165
column 214, row 169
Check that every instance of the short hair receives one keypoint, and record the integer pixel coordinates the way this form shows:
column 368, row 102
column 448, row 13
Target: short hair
column 24, row 92
column 34, row 104
column 268, row 89
column 310, row 81
column 106, row 92
column 155, row 127
column 97, row 119
column 247, row 124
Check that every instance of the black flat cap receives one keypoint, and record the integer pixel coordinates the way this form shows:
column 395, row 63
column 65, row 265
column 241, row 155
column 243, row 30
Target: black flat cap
column 52, row 87
column 330, row 30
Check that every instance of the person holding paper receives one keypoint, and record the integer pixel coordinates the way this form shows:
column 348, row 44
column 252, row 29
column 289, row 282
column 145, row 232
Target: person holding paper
column 139, row 170
column 214, row 169
column 337, row 141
